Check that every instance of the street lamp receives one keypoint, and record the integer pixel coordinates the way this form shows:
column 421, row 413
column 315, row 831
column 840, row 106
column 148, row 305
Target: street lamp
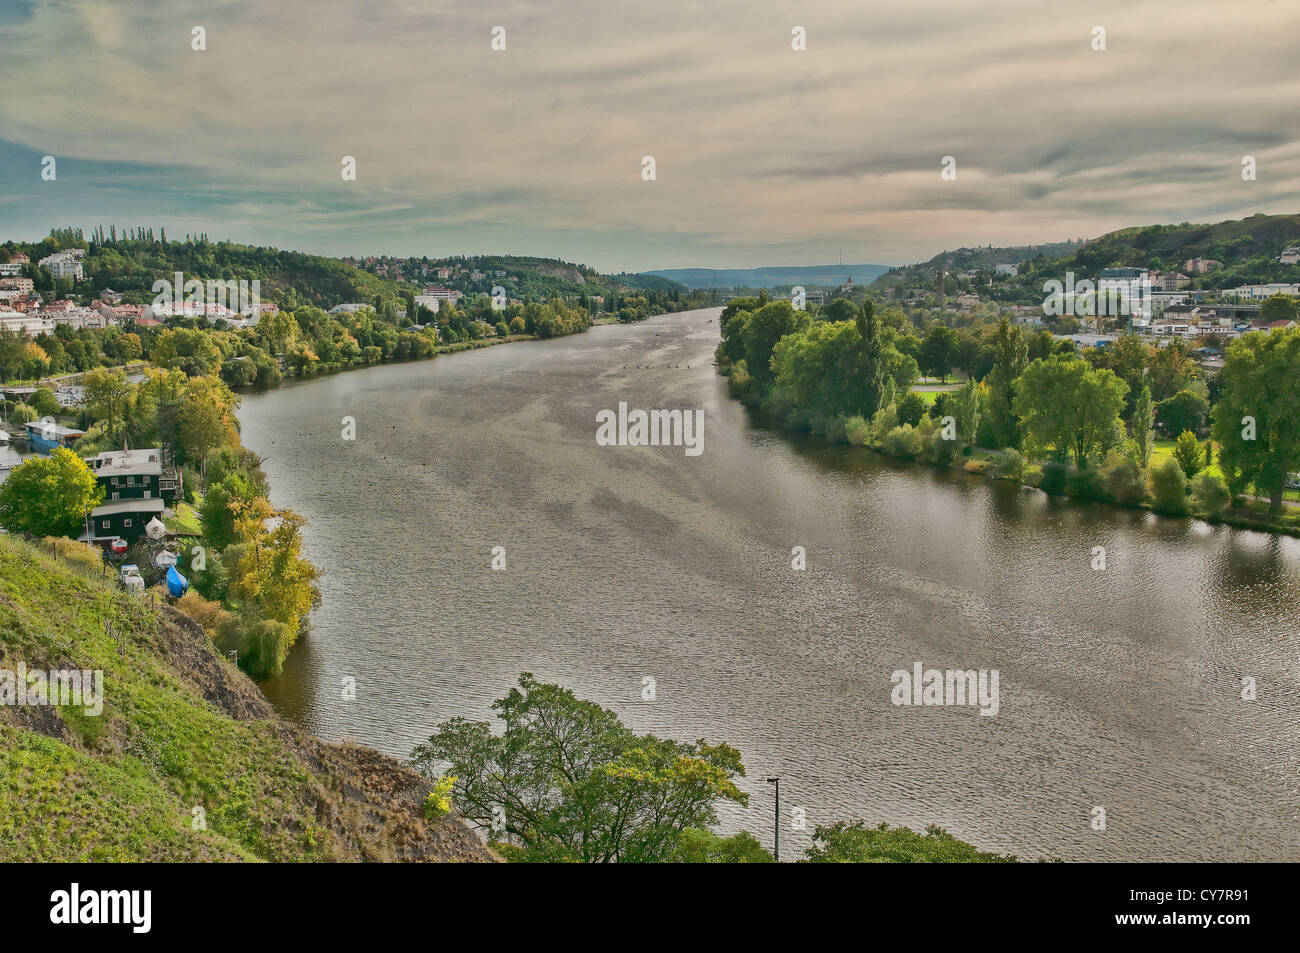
column 776, row 820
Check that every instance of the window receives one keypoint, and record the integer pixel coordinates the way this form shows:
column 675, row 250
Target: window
column 104, row 524
column 126, row 524
column 117, row 495
column 148, row 494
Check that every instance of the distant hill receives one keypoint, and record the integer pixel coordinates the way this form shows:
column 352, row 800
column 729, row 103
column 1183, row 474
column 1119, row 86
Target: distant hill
column 771, row 277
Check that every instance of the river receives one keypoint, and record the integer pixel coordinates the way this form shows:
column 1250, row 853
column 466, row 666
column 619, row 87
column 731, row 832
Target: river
column 1120, row 689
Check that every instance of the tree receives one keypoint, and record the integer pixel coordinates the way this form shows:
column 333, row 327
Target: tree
column 1188, row 453
column 108, row 394
column 1255, row 421
column 1168, row 485
column 939, row 351
column 698, row 846
column 966, row 412
column 1171, row 369
column 566, row 780
column 1186, row 410
column 1064, row 404
column 1278, row 307
column 1010, row 357
column 856, row 843
column 1143, row 431
column 49, row 496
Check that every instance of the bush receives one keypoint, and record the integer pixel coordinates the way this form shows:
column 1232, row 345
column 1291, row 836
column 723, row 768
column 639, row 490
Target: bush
column 1168, row 485
column 942, row 451
column 857, row 430
column 1053, row 478
column 1124, row 482
column 912, row 408
column 904, row 442
column 1083, row 484
column 738, row 379
column 1189, row 453
column 208, row 614
column 438, row 802
column 502, row 329
column 978, row 467
column 1011, row 465
column 1211, row 494
column 84, row 555
column 836, row 431
column 517, row 325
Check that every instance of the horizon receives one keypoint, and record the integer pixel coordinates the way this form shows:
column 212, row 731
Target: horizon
column 762, row 152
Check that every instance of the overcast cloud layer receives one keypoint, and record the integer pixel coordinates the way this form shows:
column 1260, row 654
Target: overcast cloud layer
column 764, row 155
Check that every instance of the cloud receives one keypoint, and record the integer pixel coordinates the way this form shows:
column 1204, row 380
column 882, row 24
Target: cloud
column 761, row 152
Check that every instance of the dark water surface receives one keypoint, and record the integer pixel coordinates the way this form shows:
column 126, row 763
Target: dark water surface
column 1119, row 688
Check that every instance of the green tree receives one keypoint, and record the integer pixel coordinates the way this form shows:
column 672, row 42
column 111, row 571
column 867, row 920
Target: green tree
column 49, row 496
column 108, row 394
column 1188, row 453
column 1256, row 423
column 1278, row 307
column 699, row 846
column 856, row 843
column 566, row 780
column 1142, row 426
column 1064, row 404
column 1168, row 486
column 1010, row 358
column 939, row 351
column 1186, row 410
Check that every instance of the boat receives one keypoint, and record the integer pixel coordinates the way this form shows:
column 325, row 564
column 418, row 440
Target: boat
column 118, row 545
column 177, row 584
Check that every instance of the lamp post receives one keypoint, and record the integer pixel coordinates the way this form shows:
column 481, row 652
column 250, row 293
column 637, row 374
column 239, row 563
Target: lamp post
column 776, row 820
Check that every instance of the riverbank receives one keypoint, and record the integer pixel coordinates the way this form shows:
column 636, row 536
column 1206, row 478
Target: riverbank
column 1243, row 513
column 187, row 761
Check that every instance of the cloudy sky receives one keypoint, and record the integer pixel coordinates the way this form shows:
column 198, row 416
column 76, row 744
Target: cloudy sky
column 764, row 155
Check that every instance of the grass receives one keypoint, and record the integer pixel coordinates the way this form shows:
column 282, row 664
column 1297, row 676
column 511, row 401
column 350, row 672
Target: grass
column 124, row 786
column 1165, row 448
column 186, row 520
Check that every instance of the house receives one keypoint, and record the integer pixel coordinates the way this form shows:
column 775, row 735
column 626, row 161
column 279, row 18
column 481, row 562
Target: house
column 111, row 296
column 125, row 518
column 32, row 324
column 65, row 264
column 1201, row 265
column 136, row 475
column 1291, row 256
column 45, row 435
column 1009, row 270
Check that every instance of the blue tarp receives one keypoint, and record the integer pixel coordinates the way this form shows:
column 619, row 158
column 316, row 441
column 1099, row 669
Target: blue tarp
column 176, row 583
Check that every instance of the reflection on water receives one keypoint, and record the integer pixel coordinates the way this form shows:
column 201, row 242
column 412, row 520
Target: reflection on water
column 1119, row 688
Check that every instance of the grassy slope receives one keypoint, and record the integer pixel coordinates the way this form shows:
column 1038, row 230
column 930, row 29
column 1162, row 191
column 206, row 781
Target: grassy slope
column 123, row 786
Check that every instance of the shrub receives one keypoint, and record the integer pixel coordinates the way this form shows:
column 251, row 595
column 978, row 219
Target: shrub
column 912, row 408
column 1083, row 484
column 836, row 432
column 738, row 379
column 885, row 420
column 978, row 467
column 1168, row 486
column 84, row 555
column 857, row 430
column 502, row 329
column 904, row 441
column 517, row 325
column 1011, row 465
column 438, row 801
column 1211, row 494
column 1053, row 478
column 1189, row 453
column 942, row 451
column 208, row 614
column 1124, row 482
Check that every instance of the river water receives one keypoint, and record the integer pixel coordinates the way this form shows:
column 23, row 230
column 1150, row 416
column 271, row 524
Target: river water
column 1120, row 689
